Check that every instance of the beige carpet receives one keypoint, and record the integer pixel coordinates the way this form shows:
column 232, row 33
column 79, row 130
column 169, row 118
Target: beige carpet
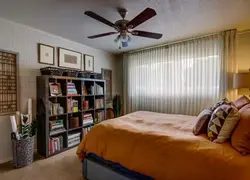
column 64, row 166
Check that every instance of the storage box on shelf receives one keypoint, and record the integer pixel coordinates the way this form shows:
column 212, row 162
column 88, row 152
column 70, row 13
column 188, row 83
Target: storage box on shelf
column 65, row 117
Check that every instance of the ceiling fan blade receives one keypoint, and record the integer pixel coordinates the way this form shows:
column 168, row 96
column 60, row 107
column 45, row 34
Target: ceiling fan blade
column 99, row 18
column 142, row 17
column 101, row 35
column 146, row 34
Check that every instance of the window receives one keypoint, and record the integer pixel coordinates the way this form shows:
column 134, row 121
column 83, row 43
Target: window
column 8, row 82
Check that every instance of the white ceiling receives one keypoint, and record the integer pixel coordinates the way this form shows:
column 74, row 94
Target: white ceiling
column 175, row 19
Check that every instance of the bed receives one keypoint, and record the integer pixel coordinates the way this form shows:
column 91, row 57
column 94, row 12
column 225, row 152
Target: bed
column 157, row 146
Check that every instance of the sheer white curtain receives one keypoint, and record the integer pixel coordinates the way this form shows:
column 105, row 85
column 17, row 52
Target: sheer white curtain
column 180, row 78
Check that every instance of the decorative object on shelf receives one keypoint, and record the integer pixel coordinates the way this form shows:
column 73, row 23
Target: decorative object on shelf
column 46, row 54
column 85, row 105
column 69, row 59
column 74, row 122
column 84, row 90
column 55, row 89
column 52, row 71
column 88, row 63
column 107, row 75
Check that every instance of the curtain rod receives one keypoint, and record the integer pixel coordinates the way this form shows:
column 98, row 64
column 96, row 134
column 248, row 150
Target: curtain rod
column 175, row 42
column 244, row 31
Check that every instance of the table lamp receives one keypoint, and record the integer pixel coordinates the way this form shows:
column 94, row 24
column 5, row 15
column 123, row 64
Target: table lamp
column 242, row 81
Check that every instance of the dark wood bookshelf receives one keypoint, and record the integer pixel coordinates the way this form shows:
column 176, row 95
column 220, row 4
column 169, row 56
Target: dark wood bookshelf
column 43, row 116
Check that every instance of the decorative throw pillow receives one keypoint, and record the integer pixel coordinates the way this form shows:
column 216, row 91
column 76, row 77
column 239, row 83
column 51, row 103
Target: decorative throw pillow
column 242, row 101
column 222, row 123
column 202, row 121
column 240, row 139
column 221, row 102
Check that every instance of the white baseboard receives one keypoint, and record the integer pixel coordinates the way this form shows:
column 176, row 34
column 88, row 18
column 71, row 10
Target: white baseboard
column 5, row 160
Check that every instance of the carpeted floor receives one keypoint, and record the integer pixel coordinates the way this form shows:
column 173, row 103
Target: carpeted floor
column 64, row 166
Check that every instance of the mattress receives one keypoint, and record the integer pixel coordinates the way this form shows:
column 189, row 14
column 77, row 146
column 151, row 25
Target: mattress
column 162, row 146
column 118, row 168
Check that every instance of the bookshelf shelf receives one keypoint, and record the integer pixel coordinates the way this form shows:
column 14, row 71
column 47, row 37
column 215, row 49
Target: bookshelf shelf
column 73, row 129
column 47, row 103
column 59, row 115
column 58, row 133
column 88, row 110
column 57, row 96
column 89, row 124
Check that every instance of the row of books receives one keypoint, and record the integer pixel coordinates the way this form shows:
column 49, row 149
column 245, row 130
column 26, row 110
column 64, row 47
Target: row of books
column 55, row 109
column 71, row 89
column 55, row 144
column 85, row 131
column 72, row 105
column 87, row 119
column 99, row 116
column 99, row 103
column 74, row 139
column 56, row 127
column 99, row 89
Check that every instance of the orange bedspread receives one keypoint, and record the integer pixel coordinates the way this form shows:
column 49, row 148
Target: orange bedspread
column 162, row 146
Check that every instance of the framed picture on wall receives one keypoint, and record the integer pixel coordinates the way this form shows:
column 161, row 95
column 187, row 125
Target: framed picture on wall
column 88, row 63
column 107, row 75
column 46, row 54
column 69, row 59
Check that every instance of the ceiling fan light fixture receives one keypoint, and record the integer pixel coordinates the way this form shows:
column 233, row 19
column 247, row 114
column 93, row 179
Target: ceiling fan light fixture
column 124, row 44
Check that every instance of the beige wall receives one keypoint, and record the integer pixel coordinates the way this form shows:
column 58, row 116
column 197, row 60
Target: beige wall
column 243, row 51
column 23, row 39
column 243, row 55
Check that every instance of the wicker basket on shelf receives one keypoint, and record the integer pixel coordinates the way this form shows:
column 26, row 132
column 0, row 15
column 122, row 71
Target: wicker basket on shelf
column 70, row 72
column 23, row 152
column 96, row 76
column 83, row 74
column 52, row 71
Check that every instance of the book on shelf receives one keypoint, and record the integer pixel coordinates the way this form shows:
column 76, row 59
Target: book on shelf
column 85, row 131
column 56, row 126
column 71, row 89
column 70, row 136
column 55, row 144
column 84, row 90
column 74, row 139
column 99, row 103
column 56, row 131
column 72, row 105
column 100, row 116
column 99, row 90
column 55, row 109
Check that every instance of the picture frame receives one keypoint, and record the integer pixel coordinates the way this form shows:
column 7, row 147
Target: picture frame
column 46, row 54
column 55, row 89
column 107, row 75
column 88, row 63
column 69, row 58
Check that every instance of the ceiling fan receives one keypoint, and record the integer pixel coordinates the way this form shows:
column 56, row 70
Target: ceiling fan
column 124, row 27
